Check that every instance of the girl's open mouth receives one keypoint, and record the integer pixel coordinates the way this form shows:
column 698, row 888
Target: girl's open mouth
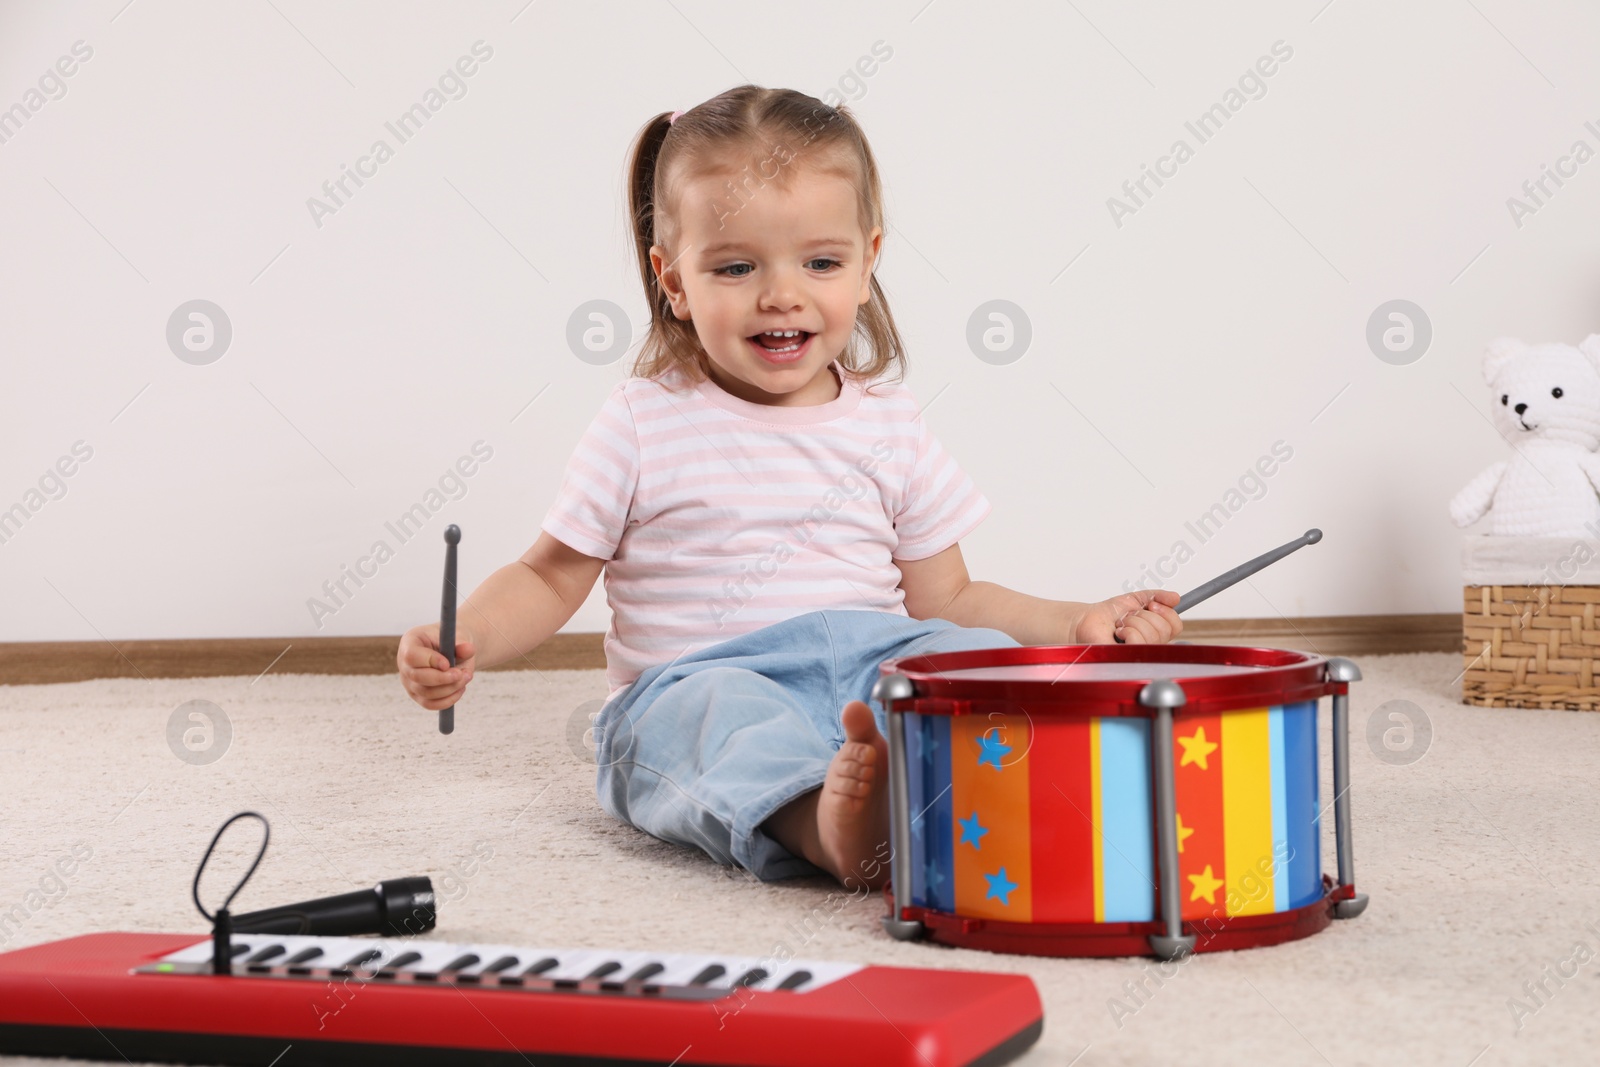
column 776, row 348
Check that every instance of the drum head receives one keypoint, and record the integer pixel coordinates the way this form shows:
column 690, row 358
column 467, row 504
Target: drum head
column 1110, row 670
column 1108, row 679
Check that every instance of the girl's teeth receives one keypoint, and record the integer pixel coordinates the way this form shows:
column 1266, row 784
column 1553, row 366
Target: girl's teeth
column 792, row 337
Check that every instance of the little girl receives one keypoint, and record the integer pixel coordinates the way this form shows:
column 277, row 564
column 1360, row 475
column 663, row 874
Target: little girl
column 773, row 521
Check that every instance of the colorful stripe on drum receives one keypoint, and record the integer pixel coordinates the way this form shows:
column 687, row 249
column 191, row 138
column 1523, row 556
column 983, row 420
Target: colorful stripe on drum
column 1051, row 821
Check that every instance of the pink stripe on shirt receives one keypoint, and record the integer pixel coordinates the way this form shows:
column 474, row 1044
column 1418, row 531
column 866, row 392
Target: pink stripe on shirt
column 718, row 516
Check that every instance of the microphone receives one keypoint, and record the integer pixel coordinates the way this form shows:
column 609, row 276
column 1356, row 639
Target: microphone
column 396, row 907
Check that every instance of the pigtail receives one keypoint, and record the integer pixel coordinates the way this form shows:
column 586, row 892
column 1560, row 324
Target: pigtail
column 642, row 207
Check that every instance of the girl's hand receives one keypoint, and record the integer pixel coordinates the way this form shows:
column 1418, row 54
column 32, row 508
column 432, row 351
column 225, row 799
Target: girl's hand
column 1142, row 618
column 427, row 674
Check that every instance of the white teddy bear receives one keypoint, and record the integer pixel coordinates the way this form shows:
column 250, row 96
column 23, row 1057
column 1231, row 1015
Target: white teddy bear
column 1547, row 407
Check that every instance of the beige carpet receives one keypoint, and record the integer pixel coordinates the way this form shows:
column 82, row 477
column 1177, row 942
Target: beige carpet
column 1482, row 860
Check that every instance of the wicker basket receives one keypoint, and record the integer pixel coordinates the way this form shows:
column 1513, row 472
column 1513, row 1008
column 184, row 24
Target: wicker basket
column 1532, row 641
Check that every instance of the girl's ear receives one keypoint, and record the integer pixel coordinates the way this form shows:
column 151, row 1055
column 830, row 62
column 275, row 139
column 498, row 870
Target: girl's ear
column 874, row 247
column 670, row 281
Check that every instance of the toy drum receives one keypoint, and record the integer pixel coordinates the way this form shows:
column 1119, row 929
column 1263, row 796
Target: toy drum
column 1114, row 800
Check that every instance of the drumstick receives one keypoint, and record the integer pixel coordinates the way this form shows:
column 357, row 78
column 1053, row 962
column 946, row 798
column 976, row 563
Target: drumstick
column 1245, row 570
column 447, row 618
column 1216, row 585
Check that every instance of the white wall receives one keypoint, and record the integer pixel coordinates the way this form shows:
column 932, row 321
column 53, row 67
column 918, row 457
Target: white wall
column 370, row 352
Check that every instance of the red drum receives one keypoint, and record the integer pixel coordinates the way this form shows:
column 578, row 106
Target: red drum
column 1114, row 800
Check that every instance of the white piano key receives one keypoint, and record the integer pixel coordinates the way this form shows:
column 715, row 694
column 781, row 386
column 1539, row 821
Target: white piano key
column 573, row 963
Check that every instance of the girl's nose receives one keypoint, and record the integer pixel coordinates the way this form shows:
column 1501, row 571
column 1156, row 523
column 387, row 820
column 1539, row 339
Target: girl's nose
column 781, row 300
column 782, row 292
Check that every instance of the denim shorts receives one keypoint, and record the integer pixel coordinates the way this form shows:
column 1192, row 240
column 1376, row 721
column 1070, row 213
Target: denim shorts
column 702, row 750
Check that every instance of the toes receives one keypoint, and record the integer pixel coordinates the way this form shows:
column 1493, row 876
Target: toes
column 855, row 775
column 859, row 725
column 858, row 752
column 850, row 787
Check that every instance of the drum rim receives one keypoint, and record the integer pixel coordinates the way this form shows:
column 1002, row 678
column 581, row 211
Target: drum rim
column 1279, row 676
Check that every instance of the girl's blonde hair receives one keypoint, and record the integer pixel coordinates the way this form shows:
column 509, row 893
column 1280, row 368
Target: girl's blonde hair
column 714, row 137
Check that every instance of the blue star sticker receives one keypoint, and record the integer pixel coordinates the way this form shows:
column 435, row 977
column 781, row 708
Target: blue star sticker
column 1000, row 887
column 993, row 749
column 934, row 877
column 971, row 831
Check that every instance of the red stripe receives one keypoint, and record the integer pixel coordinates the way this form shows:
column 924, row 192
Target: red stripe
column 1060, row 807
column 1199, row 794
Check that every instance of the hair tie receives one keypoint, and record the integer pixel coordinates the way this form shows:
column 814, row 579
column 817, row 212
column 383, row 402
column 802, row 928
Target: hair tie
column 674, row 117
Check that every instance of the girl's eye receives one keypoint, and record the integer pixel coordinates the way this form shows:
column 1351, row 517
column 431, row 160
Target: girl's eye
column 743, row 269
column 1556, row 392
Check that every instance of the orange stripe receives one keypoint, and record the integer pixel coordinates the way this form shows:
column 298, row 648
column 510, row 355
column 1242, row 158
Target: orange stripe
column 999, row 798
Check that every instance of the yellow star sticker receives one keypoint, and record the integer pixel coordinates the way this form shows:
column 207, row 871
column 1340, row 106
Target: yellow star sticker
column 1205, row 885
column 1183, row 832
column 1196, row 748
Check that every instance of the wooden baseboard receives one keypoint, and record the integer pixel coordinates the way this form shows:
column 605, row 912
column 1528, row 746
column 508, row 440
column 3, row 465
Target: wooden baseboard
column 33, row 663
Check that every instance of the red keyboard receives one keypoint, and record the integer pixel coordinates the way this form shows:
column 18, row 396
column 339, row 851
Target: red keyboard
column 296, row 1001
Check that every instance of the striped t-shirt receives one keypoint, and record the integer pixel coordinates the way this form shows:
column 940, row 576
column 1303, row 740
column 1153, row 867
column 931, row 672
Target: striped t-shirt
column 718, row 516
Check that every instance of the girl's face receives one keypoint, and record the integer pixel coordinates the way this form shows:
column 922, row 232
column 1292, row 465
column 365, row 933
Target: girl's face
column 772, row 258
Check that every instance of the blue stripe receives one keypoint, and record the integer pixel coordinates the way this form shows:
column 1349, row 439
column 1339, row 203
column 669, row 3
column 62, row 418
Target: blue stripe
column 1128, row 850
column 1303, row 831
column 932, row 799
column 917, row 849
column 1280, row 809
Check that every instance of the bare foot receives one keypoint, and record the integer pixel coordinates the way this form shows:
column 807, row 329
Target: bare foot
column 853, row 804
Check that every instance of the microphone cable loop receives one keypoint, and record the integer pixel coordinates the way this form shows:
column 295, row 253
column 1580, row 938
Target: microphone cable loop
column 266, row 835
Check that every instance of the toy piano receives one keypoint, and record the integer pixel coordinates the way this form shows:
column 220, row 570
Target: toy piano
column 290, row 1001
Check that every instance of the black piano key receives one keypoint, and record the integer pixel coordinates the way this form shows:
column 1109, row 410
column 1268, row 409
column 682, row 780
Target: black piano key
column 304, row 954
column 504, row 963
column 649, row 970
column 405, row 959
column 710, row 974
column 461, row 963
column 549, row 963
column 750, row 977
column 608, row 967
column 359, row 958
column 795, row 980
column 266, row 954
column 235, row 951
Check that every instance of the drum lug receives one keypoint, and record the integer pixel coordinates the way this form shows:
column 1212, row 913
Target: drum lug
column 1171, row 948
column 1162, row 696
column 887, row 690
column 1343, row 671
column 892, row 687
column 1349, row 909
column 902, row 929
